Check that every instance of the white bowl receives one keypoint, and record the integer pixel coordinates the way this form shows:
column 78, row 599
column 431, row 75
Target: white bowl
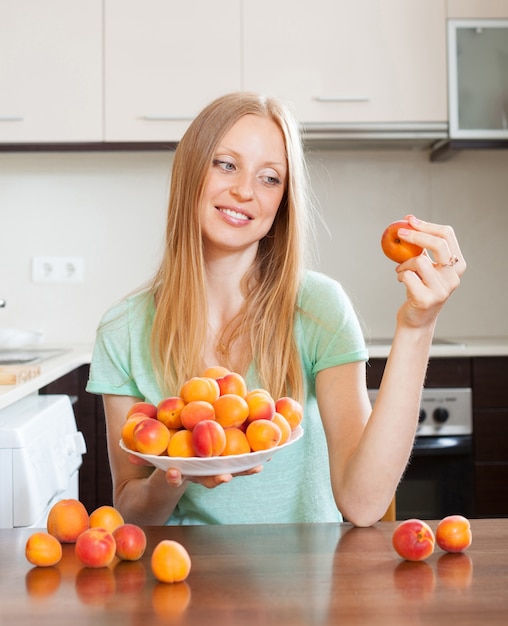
column 17, row 338
column 211, row 466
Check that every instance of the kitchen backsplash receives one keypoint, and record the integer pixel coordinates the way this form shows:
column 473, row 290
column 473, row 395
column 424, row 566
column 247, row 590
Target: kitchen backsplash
column 109, row 209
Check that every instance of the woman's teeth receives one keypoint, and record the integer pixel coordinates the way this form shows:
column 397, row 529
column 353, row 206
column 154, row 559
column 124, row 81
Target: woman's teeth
column 235, row 214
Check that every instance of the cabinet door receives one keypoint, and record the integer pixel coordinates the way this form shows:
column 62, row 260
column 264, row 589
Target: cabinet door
column 50, row 71
column 477, row 8
column 165, row 60
column 376, row 61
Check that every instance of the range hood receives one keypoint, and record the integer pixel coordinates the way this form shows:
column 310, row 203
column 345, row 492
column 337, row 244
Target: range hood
column 375, row 136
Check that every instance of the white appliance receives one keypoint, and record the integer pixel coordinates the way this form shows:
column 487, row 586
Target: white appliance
column 40, row 455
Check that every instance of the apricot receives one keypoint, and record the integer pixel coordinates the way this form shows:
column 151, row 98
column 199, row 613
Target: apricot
column 43, row 549
column 284, row 426
column 95, row 547
column 236, row 442
column 106, row 517
column 170, row 562
column 128, row 429
column 200, row 388
column 232, row 383
column 395, row 248
column 215, row 371
column 208, row 438
column 231, row 410
column 67, row 519
column 263, row 434
column 168, row 411
column 150, row 436
column 291, row 409
column 180, row 444
column 453, row 533
column 196, row 411
column 148, row 409
column 261, row 405
column 130, row 542
column 413, row 540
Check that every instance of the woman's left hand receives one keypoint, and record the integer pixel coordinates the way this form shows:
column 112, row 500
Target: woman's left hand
column 431, row 277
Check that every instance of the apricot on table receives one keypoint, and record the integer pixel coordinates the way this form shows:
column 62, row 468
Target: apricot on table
column 67, row 519
column 96, row 547
column 43, row 549
column 170, row 562
column 453, row 533
column 107, row 517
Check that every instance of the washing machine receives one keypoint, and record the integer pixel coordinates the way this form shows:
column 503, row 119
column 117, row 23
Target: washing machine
column 41, row 451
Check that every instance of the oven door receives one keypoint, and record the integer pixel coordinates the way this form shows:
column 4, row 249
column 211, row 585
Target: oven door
column 438, row 480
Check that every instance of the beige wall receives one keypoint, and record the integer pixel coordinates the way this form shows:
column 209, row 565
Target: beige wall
column 110, row 209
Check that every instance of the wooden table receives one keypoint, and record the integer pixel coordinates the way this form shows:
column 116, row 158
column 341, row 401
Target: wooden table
column 267, row 574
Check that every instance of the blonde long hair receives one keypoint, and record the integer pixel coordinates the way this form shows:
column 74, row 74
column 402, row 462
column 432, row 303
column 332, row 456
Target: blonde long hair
column 265, row 324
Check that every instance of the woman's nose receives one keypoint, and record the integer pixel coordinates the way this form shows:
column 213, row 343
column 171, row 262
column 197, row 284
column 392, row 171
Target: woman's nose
column 242, row 188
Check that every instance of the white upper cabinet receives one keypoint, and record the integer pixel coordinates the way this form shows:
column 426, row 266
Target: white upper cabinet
column 340, row 61
column 481, row 9
column 164, row 60
column 50, row 71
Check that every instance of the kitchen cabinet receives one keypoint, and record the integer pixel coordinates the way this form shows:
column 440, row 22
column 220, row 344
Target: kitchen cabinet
column 51, row 71
column 338, row 61
column 482, row 9
column 95, row 486
column 164, row 61
column 490, row 423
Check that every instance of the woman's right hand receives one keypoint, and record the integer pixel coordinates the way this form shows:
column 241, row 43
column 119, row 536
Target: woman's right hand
column 176, row 479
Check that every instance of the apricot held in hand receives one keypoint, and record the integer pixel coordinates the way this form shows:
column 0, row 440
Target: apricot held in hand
column 395, row 248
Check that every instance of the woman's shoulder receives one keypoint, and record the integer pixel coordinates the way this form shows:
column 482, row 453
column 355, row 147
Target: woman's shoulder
column 137, row 305
column 316, row 284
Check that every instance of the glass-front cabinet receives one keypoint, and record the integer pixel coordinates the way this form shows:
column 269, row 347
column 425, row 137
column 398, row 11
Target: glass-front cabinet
column 478, row 79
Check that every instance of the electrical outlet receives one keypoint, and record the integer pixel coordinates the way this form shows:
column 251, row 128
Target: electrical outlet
column 57, row 269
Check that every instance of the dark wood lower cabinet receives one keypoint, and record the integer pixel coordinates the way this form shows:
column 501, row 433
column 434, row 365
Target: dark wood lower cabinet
column 94, row 476
column 490, row 425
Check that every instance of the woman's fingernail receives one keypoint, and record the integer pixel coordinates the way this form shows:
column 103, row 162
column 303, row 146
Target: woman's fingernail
column 404, row 232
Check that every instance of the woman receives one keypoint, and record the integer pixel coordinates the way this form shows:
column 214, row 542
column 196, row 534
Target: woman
column 232, row 289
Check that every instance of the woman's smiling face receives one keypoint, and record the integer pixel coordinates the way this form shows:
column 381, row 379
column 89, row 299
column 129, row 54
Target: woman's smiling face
column 244, row 185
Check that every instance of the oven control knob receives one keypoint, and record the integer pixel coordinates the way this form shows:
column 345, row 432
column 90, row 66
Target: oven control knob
column 440, row 415
column 421, row 416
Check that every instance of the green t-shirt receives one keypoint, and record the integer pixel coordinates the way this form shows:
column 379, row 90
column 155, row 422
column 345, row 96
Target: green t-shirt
column 294, row 485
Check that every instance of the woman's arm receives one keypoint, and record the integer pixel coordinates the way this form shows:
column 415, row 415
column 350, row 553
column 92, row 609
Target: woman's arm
column 140, row 492
column 368, row 455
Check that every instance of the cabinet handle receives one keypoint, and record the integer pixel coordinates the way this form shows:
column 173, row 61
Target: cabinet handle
column 165, row 118
column 342, row 98
column 11, row 118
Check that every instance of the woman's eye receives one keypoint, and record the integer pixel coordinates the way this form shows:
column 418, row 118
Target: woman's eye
column 272, row 180
column 224, row 165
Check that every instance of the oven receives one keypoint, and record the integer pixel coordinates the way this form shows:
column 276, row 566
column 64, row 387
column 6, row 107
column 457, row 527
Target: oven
column 438, row 480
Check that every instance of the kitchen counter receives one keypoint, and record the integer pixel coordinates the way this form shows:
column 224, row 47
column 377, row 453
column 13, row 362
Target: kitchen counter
column 80, row 354
column 72, row 357
column 460, row 347
column 284, row 575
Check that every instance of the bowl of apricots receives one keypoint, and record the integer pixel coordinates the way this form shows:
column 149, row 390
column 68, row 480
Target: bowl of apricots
column 214, row 426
